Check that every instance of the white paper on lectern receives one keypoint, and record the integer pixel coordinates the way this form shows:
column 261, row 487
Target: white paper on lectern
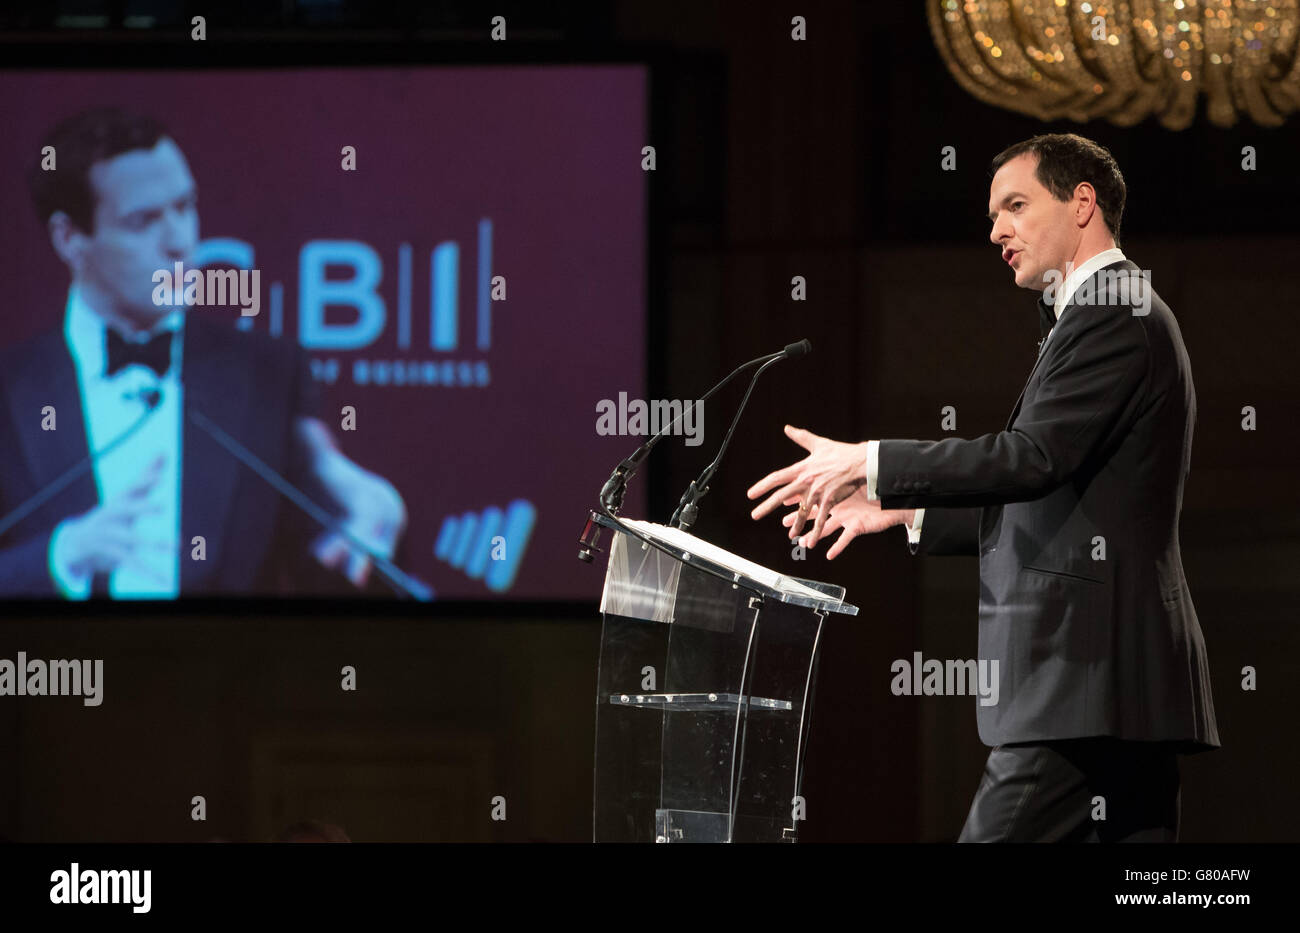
column 682, row 541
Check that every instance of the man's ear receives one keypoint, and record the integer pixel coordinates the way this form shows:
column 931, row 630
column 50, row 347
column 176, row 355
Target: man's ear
column 68, row 240
column 1087, row 196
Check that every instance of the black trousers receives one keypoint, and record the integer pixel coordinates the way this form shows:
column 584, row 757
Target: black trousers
column 1077, row 790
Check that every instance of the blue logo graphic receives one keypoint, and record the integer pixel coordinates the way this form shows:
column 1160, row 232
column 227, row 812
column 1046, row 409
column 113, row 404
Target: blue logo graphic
column 488, row 545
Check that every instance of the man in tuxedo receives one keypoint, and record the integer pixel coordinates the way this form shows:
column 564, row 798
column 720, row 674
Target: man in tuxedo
column 1073, row 512
column 109, row 484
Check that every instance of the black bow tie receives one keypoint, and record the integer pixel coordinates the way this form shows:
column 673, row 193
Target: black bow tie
column 156, row 353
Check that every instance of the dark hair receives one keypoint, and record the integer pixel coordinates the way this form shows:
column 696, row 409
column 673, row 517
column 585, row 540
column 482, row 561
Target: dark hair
column 79, row 142
column 1065, row 160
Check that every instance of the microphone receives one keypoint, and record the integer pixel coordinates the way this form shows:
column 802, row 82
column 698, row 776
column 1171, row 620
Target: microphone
column 149, row 397
column 688, row 507
column 403, row 582
column 802, row 348
column 611, row 494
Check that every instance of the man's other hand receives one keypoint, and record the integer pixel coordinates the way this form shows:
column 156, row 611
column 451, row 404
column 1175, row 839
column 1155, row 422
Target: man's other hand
column 856, row 515
column 104, row 539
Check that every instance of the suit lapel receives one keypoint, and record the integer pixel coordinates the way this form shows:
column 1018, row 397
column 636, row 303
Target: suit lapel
column 1020, row 400
column 1126, row 264
column 216, row 386
column 990, row 516
column 44, row 374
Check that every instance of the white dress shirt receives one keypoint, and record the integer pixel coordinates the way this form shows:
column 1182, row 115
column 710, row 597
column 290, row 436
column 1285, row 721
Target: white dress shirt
column 109, row 407
column 1071, row 284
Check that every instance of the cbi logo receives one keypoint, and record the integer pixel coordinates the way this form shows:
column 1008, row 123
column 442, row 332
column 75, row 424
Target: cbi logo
column 357, row 290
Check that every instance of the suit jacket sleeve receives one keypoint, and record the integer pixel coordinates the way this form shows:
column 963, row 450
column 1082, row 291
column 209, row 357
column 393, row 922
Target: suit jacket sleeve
column 24, row 551
column 1089, row 395
column 296, row 571
column 307, row 394
column 25, row 570
column 950, row 532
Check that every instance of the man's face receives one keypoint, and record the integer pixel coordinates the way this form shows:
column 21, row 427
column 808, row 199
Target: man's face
column 1036, row 232
column 146, row 218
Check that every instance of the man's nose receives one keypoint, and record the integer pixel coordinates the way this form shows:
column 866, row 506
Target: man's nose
column 179, row 234
column 999, row 231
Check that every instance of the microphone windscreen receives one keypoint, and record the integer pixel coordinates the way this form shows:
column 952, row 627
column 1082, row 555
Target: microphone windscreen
column 798, row 349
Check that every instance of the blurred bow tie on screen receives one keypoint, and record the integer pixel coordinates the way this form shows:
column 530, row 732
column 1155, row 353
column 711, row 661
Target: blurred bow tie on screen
column 156, row 353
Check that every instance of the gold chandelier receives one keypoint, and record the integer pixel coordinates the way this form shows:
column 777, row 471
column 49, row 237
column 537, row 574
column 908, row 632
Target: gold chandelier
column 1124, row 60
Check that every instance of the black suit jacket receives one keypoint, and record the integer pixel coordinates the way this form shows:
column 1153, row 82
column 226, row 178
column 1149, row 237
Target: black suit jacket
column 1097, row 447
column 249, row 385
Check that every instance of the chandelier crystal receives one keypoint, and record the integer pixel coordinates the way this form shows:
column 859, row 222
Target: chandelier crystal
column 1125, row 60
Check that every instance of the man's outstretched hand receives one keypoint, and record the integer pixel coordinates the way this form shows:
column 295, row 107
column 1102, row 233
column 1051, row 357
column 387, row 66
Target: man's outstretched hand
column 856, row 515
column 831, row 472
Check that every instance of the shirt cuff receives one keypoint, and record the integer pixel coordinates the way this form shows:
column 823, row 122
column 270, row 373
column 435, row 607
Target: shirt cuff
column 873, row 474
column 914, row 529
column 873, row 468
column 70, row 585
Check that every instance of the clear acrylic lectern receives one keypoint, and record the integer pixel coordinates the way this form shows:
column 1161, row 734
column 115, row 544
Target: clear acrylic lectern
column 704, row 692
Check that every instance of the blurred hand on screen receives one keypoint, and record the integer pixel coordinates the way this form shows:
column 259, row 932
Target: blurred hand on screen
column 374, row 514
column 373, row 511
column 104, row 539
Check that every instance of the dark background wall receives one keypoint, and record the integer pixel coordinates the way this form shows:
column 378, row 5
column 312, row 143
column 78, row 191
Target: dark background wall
column 776, row 159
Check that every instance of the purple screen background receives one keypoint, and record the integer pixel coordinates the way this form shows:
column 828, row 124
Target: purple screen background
column 549, row 154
